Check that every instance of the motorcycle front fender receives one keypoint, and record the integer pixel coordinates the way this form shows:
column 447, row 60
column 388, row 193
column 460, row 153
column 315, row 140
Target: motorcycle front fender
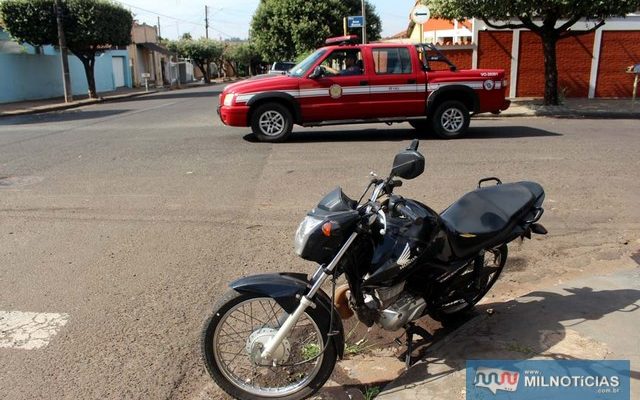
column 286, row 289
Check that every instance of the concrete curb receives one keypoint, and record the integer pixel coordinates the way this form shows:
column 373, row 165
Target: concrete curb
column 75, row 104
column 565, row 114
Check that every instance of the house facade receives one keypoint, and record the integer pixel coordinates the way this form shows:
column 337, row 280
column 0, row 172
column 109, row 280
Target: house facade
column 30, row 73
column 149, row 59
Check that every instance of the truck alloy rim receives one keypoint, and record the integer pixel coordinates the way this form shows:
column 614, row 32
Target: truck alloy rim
column 452, row 120
column 271, row 123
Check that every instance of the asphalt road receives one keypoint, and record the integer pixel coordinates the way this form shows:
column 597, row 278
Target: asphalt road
column 126, row 220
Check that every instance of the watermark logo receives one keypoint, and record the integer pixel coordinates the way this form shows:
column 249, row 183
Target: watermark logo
column 496, row 379
column 548, row 379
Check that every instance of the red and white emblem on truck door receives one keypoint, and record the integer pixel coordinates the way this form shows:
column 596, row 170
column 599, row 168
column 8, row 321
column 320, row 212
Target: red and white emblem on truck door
column 335, row 91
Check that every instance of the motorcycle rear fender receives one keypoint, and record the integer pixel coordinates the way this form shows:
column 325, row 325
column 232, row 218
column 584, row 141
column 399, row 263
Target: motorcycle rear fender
column 286, row 289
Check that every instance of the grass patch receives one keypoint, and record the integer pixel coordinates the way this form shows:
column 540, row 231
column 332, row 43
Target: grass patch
column 310, row 351
column 371, row 392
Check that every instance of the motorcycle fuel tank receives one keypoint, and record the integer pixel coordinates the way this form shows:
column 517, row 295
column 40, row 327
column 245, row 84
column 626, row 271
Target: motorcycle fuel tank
column 400, row 249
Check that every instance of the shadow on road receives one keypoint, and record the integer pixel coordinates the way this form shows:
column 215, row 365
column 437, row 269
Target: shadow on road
column 522, row 329
column 186, row 94
column 386, row 134
column 61, row 116
column 507, row 132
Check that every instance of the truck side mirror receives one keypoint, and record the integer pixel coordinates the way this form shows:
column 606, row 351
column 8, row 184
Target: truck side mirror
column 318, row 72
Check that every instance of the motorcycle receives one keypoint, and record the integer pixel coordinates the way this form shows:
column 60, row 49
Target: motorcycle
column 278, row 336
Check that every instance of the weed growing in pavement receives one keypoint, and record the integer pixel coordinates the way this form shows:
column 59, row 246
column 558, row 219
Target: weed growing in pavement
column 371, row 392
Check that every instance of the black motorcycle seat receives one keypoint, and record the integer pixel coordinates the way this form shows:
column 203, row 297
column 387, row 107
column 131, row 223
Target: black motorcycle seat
column 484, row 214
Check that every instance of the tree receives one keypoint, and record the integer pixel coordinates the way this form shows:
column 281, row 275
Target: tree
column 551, row 20
column 202, row 52
column 91, row 26
column 283, row 29
column 243, row 56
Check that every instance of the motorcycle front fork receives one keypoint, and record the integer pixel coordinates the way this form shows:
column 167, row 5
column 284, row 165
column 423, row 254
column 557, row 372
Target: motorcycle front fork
column 318, row 278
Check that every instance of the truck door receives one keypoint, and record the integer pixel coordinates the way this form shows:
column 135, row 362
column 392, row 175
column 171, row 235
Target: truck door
column 341, row 92
column 398, row 83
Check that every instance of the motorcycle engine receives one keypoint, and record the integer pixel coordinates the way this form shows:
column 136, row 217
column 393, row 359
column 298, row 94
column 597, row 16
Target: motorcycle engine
column 392, row 308
column 405, row 309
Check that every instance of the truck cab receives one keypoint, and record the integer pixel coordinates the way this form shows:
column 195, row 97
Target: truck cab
column 346, row 83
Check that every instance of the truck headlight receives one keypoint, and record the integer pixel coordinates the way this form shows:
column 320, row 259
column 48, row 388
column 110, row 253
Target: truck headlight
column 228, row 99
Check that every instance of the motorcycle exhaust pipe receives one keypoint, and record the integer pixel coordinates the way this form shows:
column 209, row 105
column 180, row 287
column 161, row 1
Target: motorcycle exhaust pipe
column 341, row 302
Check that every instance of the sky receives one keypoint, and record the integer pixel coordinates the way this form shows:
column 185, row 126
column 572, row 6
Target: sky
column 231, row 18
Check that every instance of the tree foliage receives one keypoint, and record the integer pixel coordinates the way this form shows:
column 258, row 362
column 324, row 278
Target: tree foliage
column 550, row 19
column 202, row 52
column 283, row 29
column 90, row 27
column 243, row 57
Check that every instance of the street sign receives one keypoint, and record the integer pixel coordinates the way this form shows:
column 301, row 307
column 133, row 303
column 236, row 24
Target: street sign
column 420, row 14
column 355, row 21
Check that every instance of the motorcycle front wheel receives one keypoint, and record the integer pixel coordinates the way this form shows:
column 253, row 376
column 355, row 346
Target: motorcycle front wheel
column 236, row 332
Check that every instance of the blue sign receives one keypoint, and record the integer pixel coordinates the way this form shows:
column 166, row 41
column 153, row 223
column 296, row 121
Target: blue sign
column 548, row 380
column 355, row 22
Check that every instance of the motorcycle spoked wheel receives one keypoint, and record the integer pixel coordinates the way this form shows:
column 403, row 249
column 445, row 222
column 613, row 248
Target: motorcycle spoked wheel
column 236, row 331
column 494, row 261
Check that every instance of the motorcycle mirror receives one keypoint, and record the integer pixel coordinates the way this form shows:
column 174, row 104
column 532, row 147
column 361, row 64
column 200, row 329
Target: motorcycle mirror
column 409, row 163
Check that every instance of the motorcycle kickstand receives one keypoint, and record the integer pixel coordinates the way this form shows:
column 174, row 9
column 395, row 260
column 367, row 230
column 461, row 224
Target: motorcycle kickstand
column 410, row 330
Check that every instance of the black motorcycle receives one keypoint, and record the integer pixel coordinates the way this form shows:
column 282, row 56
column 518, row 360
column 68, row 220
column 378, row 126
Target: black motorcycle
column 279, row 335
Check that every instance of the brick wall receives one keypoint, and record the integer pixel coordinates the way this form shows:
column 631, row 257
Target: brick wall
column 530, row 66
column 574, row 65
column 494, row 50
column 619, row 49
column 574, row 55
column 461, row 58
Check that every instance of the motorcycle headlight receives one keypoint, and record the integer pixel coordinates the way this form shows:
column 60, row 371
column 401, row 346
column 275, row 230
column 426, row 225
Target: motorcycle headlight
column 228, row 99
column 307, row 226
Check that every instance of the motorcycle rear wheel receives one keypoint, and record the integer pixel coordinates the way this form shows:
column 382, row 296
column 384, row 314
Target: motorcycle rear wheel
column 256, row 319
column 494, row 259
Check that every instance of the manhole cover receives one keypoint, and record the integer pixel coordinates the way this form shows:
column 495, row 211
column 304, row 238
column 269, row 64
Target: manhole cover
column 16, row 181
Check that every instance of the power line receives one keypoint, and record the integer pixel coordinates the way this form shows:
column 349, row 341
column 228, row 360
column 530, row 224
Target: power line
column 163, row 15
column 179, row 19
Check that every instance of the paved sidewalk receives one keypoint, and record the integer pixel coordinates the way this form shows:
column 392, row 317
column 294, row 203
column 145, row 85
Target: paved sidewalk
column 573, row 108
column 589, row 318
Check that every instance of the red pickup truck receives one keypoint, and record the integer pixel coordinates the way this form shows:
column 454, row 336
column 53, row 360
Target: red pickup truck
column 345, row 83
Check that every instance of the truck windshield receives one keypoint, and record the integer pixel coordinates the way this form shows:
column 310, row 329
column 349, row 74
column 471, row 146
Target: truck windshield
column 305, row 64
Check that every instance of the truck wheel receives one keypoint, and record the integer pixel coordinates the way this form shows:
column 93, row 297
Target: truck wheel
column 451, row 119
column 271, row 122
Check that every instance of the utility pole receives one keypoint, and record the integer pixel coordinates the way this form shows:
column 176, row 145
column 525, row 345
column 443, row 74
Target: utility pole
column 206, row 21
column 364, row 24
column 62, row 42
column 159, row 35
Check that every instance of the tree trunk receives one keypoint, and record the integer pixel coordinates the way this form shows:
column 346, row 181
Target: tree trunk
column 88, row 62
column 549, row 45
column 205, row 72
